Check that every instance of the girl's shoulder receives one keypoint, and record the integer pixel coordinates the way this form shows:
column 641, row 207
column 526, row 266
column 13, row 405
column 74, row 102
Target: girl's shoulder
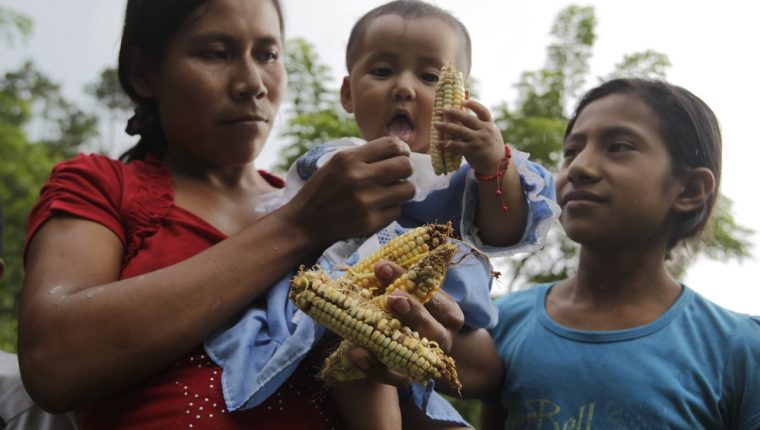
column 522, row 305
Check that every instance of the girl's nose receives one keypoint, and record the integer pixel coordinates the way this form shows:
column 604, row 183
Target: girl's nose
column 583, row 167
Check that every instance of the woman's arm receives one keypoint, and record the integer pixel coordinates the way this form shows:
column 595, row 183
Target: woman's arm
column 366, row 404
column 83, row 333
column 492, row 417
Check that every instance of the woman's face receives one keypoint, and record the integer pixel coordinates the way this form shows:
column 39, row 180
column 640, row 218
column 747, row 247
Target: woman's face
column 220, row 83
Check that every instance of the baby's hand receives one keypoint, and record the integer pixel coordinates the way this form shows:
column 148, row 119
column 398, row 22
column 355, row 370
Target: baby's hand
column 476, row 137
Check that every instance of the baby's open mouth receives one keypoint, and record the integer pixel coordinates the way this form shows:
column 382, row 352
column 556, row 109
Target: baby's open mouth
column 401, row 127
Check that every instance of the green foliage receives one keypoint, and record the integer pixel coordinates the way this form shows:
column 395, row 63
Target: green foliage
column 306, row 79
column 108, row 93
column 13, row 23
column 29, row 100
column 310, row 129
column 469, row 409
column 116, row 107
column 647, row 64
column 317, row 116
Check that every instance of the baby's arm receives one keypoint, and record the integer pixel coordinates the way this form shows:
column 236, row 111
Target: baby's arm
column 367, row 404
column 502, row 209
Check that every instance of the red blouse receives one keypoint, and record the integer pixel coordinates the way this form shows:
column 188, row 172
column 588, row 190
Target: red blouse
column 136, row 202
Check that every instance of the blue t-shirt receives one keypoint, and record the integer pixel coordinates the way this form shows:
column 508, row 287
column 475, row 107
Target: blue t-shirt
column 695, row 367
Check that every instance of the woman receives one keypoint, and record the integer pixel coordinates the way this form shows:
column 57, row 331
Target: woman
column 131, row 264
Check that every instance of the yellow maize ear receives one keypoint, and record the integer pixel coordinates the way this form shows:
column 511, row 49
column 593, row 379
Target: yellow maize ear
column 337, row 368
column 404, row 250
column 425, row 277
column 348, row 312
column 449, row 94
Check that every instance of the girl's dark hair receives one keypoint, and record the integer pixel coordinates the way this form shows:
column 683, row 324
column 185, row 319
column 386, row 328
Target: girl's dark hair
column 690, row 130
column 406, row 9
column 148, row 26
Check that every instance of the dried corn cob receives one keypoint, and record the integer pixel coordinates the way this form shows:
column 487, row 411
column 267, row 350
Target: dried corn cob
column 347, row 311
column 425, row 277
column 448, row 94
column 404, row 250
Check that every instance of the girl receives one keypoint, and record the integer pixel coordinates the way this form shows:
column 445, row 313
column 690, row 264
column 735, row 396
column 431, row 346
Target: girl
column 621, row 344
column 131, row 264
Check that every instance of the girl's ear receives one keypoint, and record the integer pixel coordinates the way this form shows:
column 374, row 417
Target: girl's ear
column 139, row 75
column 345, row 95
column 698, row 186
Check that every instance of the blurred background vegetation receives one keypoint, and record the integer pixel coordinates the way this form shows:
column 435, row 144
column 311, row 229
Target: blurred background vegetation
column 39, row 127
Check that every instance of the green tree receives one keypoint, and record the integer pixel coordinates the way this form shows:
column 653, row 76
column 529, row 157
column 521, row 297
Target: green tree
column 315, row 112
column 116, row 104
column 37, row 128
column 537, row 123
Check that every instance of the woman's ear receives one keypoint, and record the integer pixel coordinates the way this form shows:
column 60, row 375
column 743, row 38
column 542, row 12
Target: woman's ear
column 345, row 95
column 139, row 76
column 698, row 186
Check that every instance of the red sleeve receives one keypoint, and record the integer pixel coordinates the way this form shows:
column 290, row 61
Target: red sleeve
column 87, row 186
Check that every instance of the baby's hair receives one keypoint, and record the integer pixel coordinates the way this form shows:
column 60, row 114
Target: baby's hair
column 148, row 26
column 406, row 9
column 690, row 130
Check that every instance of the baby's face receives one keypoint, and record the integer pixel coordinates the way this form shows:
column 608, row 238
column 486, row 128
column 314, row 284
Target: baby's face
column 391, row 86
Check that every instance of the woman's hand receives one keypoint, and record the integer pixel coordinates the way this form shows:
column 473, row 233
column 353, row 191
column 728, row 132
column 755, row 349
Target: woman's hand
column 439, row 320
column 357, row 192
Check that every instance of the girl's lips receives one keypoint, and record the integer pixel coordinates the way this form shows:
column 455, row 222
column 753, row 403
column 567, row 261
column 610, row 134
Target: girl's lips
column 578, row 197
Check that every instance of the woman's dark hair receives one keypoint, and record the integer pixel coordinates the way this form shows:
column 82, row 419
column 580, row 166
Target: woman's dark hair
column 690, row 130
column 406, row 9
column 148, row 26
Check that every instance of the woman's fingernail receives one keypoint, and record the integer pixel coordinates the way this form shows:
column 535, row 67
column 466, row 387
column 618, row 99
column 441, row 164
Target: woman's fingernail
column 399, row 304
column 385, row 272
column 362, row 364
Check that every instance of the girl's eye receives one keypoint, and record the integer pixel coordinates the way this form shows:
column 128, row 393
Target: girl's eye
column 429, row 77
column 381, row 72
column 620, row 147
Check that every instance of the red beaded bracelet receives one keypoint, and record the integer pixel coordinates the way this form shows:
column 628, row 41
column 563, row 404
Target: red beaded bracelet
column 501, row 170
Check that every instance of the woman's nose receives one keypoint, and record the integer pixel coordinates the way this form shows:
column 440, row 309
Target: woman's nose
column 248, row 82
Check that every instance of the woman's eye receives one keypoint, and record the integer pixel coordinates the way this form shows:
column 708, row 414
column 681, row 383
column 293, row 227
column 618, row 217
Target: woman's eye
column 268, row 57
column 214, row 54
column 381, row 72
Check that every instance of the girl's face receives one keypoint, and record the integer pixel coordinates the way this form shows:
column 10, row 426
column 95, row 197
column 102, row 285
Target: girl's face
column 391, row 86
column 616, row 186
column 220, row 83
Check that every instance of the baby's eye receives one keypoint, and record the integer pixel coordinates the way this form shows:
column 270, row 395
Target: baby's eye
column 569, row 152
column 381, row 72
column 429, row 77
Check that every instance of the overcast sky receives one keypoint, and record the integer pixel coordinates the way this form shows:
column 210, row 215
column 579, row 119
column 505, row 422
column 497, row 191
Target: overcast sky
column 711, row 44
